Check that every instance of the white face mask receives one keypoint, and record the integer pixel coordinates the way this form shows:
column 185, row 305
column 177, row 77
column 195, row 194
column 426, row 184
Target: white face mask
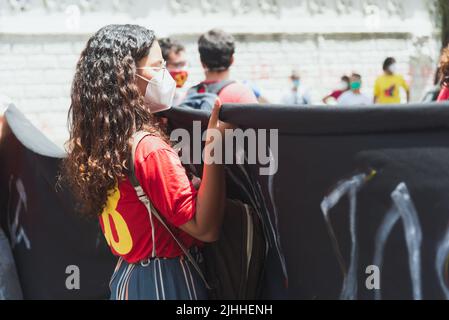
column 393, row 68
column 160, row 91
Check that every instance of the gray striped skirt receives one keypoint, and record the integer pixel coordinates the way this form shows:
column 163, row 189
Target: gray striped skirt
column 158, row 279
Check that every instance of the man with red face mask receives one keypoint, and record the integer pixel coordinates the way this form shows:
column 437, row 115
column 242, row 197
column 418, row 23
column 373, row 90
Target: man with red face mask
column 174, row 54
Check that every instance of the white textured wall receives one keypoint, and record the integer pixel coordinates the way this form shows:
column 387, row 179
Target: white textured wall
column 40, row 42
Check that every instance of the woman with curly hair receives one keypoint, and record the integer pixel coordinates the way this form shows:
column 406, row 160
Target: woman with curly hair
column 444, row 75
column 120, row 81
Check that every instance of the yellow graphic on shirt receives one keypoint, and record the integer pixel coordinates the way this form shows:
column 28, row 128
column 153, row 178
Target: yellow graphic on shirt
column 125, row 242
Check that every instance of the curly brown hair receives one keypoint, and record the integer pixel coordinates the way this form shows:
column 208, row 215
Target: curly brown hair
column 444, row 67
column 106, row 109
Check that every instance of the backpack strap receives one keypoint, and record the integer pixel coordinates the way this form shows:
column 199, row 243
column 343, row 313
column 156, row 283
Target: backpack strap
column 193, row 90
column 143, row 197
column 214, row 88
column 217, row 87
column 137, row 138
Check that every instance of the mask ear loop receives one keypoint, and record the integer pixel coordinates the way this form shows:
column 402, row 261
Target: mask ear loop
column 163, row 70
column 143, row 78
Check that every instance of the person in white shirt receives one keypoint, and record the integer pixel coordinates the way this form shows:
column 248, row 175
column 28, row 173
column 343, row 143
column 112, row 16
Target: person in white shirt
column 354, row 96
column 298, row 94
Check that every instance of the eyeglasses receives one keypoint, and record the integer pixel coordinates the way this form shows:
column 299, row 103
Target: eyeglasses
column 156, row 69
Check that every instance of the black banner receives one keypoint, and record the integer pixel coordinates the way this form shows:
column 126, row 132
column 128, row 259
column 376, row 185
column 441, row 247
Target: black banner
column 52, row 245
column 357, row 208
column 360, row 193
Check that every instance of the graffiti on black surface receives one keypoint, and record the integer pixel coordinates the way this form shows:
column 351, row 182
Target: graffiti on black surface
column 442, row 264
column 16, row 231
column 350, row 188
column 402, row 208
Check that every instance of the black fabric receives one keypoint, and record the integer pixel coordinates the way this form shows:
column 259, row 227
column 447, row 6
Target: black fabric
column 310, row 120
column 425, row 172
column 58, row 236
column 320, row 162
column 233, row 272
column 319, row 147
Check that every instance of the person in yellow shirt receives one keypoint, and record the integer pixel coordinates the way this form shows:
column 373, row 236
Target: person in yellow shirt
column 387, row 86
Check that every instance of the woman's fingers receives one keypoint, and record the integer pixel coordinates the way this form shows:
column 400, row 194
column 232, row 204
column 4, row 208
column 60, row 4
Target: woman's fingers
column 214, row 120
column 227, row 125
column 214, row 117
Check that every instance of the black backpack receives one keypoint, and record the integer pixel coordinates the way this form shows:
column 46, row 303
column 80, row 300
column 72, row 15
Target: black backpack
column 205, row 100
column 234, row 265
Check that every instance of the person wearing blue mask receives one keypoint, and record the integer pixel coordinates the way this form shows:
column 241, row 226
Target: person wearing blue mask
column 298, row 94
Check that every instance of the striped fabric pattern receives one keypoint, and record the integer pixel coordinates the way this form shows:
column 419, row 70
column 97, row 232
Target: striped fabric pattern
column 157, row 279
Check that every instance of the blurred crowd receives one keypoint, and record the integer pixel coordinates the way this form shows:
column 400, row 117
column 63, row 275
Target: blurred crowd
column 217, row 49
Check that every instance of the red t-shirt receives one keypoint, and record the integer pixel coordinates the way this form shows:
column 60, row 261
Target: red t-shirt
column 125, row 220
column 444, row 94
column 235, row 93
column 336, row 94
